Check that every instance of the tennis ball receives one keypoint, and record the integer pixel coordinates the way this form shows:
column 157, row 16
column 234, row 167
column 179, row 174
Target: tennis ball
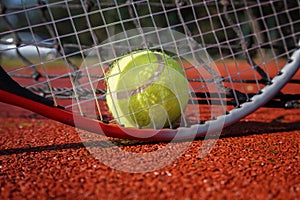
column 146, row 89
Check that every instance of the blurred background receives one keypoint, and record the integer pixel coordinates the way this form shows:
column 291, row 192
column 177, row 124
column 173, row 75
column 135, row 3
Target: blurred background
column 73, row 19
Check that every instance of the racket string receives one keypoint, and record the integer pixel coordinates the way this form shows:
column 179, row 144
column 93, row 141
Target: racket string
column 230, row 41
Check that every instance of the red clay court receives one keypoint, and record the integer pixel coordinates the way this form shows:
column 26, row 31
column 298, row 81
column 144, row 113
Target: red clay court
column 233, row 53
column 257, row 158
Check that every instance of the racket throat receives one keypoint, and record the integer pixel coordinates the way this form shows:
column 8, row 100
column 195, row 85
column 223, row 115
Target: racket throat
column 9, row 85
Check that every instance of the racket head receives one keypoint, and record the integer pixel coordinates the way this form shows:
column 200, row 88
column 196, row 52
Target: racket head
column 233, row 64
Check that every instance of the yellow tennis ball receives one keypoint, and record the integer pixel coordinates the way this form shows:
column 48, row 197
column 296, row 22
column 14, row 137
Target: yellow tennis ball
column 146, row 89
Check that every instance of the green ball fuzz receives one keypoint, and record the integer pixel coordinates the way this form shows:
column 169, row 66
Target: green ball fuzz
column 156, row 104
column 146, row 89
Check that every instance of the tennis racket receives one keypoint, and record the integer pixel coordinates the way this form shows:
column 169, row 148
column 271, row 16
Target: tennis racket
column 56, row 56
